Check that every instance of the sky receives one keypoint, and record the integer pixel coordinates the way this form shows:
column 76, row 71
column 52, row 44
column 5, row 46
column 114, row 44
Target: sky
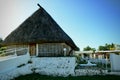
column 87, row 22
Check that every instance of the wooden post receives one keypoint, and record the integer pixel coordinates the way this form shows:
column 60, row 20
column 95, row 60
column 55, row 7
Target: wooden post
column 15, row 51
column 36, row 49
column 28, row 50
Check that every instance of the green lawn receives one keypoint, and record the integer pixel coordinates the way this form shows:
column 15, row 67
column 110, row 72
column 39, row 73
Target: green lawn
column 41, row 77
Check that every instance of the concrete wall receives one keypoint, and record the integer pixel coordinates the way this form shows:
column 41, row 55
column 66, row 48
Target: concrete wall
column 56, row 66
column 12, row 62
column 89, row 72
column 115, row 62
column 53, row 66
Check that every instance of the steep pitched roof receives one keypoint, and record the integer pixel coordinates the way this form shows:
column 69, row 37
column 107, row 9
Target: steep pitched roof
column 39, row 28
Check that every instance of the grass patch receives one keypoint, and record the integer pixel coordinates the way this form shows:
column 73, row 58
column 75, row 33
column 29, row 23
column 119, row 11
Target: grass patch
column 42, row 77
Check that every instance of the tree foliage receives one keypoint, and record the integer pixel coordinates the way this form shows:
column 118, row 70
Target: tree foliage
column 107, row 47
column 1, row 42
column 101, row 47
column 88, row 48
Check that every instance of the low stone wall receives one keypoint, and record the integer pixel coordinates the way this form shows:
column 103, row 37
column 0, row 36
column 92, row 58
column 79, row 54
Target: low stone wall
column 89, row 72
column 55, row 66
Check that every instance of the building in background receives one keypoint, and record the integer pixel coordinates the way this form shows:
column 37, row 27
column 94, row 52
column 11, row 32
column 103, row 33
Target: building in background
column 117, row 47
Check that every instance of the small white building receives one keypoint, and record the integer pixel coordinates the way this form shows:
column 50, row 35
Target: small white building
column 117, row 47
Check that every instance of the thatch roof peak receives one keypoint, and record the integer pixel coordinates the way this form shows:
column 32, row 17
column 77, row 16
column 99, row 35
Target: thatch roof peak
column 39, row 28
column 39, row 5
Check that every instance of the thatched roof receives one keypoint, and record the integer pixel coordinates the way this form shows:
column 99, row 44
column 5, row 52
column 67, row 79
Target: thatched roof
column 39, row 28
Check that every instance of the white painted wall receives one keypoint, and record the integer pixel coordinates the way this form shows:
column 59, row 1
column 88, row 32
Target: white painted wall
column 103, row 61
column 55, row 66
column 90, row 72
column 115, row 62
column 11, row 63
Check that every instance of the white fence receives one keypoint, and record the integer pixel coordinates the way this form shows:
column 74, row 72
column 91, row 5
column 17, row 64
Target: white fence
column 9, row 63
column 14, row 51
column 103, row 61
column 115, row 62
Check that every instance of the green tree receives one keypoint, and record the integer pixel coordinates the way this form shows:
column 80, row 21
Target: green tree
column 112, row 45
column 88, row 48
column 102, row 48
column 1, row 42
column 107, row 47
column 93, row 49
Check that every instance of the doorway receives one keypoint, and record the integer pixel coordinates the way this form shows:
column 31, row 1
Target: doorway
column 32, row 49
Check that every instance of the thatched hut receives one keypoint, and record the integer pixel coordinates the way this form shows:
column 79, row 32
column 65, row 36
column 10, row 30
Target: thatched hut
column 42, row 36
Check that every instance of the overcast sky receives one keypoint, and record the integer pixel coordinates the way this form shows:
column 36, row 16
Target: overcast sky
column 87, row 22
